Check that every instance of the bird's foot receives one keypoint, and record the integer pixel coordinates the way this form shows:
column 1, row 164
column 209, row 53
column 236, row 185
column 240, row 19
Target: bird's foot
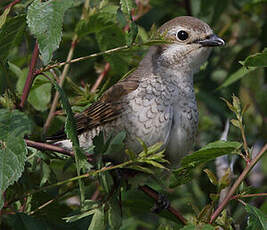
column 161, row 203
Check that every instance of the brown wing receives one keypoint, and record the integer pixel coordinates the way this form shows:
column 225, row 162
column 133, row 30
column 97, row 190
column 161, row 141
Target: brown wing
column 106, row 109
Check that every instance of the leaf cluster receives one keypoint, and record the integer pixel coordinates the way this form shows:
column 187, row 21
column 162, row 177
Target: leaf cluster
column 41, row 189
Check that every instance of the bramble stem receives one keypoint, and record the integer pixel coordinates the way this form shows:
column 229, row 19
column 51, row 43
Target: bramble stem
column 248, row 195
column 30, row 76
column 155, row 195
column 237, row 183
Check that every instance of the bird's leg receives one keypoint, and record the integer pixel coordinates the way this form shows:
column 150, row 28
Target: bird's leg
column 161, row 203
column 155, row 195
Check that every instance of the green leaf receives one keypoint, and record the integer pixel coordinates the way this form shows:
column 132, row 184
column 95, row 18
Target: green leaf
column 225, row 180
column 236, row 123
column 88, row 209
column 209, row 152
column 71, row 131
column 98, row 21
column 131, row 34
column 144, row 153
column 106, row 181
column 242, row 72
column 229, row 105
column 116, row 144
column 236, row 104
column 180, row 176
column 79, row 216
column 166, row 227
column 98, row 220
column 47, row 174
column 14, row 122
column 21, row 221
column 141, row 169
column 154, row 163
column 109, row 38
column 4, row 16
column 13, row 126
column 40, row 93
column 211, row 176
column 127, row 6
column 256, row 60
column 257, row 219
column 45, row 22
column 121, row 18
column 114, row 214
column 11, row 34
column 16, row 70
column 207, row 227
column 189, row 227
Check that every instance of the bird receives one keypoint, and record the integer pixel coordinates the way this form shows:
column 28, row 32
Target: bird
column 156, row 102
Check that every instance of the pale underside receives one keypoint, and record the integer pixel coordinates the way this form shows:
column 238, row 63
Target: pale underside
column 155, row 103
column 161, row 109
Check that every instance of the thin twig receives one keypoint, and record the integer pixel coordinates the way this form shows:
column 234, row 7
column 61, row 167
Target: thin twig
column 155, row 195
column 100, row 78
column 248, row 195
column 61, row 81
column 49, row 202
column 237, row 183
column 96, row 194
column 242, row 202
column 12, row 4
column 64, row 73
column 50, row 147
column 60, row 183
column 57, row 65
column 30, row 76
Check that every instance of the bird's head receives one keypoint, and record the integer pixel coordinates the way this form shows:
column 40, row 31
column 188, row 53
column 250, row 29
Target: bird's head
column 190, row 43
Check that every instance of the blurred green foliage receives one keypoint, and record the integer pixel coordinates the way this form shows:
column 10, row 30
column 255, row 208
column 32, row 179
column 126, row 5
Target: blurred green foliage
column 237, row 69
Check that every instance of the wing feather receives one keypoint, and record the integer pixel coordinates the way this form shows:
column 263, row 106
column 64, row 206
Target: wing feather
column 107, row 109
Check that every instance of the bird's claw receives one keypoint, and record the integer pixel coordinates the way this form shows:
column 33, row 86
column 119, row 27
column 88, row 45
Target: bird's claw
column 161, row 203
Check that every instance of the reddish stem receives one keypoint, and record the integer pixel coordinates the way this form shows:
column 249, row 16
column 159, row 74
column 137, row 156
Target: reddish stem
column 100, row 78
column 12, row 4
column 54, row 148
column 237, row 183
column 30, row 76
column 155, row 195
column 248, row 195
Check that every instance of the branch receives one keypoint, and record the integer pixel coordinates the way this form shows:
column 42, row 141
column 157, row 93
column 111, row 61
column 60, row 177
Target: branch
column 61, row 81
column 49, row 202
column 50, row 147
column 155, row 195
column 222, row 162
column 248, row 195
column 82, row 58
column 30, row 76
column 10, row 5
column 237, row 183
column 65, row 72
column 100, row 78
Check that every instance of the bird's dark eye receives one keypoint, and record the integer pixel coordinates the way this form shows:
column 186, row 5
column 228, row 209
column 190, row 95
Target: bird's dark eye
column 182, row 35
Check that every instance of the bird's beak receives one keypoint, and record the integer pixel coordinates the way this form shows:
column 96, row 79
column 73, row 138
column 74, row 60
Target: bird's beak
column 212, row 40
